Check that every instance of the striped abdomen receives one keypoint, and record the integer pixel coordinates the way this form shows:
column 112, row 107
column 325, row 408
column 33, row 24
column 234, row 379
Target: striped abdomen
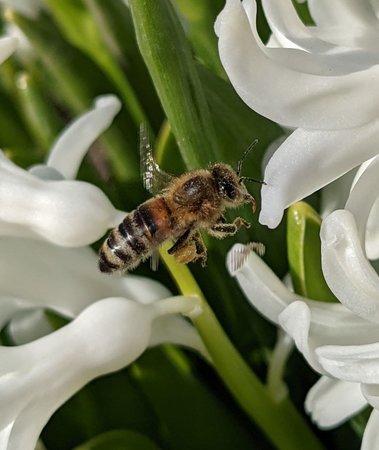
column 136, row 237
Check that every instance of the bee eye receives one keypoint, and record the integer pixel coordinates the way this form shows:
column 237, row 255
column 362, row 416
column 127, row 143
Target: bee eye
column 227, row 189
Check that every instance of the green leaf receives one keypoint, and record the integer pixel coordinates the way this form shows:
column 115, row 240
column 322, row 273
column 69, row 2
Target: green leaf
column 236, row 124
column 193, row 415
column 76, row 92
column 200, row 18
column 114, row 21
column 167, row 54
column 77, row 24
column 304, row 253
column 119, row 440
column 13, row 133
column 108, row 403
column 39, row 113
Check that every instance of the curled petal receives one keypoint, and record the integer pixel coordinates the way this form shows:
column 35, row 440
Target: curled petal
column 261, row 286
column 290, row 97
column 331, row 323
column 357, row 363
column 31, row 207
column 290, row 174
column 296, row 321
column 289, row 29
column 342, row 12
column 7, row 46
column 370, row 439
column 72, row 145
column 315, row 325
column 334, row 195
column 366, row 187
column 331, row 402
column 107, row 336
column 348, row 273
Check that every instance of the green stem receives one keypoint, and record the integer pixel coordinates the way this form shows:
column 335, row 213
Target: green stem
column 280, row 421
column 167, row 55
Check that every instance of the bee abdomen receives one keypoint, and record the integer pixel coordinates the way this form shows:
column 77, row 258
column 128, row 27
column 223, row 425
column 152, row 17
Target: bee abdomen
column 126, row 245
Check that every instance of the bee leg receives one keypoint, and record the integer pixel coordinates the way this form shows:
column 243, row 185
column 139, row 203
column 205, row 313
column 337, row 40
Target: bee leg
column 186, row 253
column 181, row 242
column 201, row 249
column 221, row 230
column 189, row 248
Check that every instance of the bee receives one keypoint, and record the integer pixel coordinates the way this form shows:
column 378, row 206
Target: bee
column 184, row 205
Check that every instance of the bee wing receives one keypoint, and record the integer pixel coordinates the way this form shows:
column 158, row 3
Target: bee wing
column 154, row 260
column 154, row 178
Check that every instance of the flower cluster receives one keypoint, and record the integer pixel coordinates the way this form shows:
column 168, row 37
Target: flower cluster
column 321, row 81
column 47, row 218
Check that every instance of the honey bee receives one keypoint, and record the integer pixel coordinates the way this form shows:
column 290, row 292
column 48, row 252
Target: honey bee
column 184, row 205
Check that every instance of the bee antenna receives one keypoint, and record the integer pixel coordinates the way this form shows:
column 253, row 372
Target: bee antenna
column 245, row 153
column 253, row 180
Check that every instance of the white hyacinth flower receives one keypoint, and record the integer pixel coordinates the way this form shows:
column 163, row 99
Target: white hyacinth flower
column 311, row 324
column 67, row 280
column 46, row 219
column 38, row 203
column 36, row 378
column 338, row 340
column 320, row 80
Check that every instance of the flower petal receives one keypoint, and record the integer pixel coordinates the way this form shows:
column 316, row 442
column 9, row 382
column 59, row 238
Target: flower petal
column 371, row 394
column 331, row 402
column 290, row 174
column 348, row 273
column 334, row 195
column 107, row 336
column 296, row 321
column 366, row 187
column 261, row 286
column 176, row 330
column 64, row 279
column 31, row 207
column 28, row 8
column 331, row 323
column 7, row 46
column 72, row 145
column 357, row 363
column 370, row 439
column 342, row 12
column 289, row 29
column 290, row 97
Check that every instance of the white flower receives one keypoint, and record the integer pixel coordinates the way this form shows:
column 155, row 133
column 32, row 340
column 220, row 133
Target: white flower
column 340, row 341
column 7, row 46
column 311, row 324
column 28, row 8
column 320, row 80
column 114, row 318
column 36, row 378
column 39, row 203
column 36, row 274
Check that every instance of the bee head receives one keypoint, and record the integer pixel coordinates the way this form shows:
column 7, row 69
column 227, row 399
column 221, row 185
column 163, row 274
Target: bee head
column 230, row 186
column 230, row 183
